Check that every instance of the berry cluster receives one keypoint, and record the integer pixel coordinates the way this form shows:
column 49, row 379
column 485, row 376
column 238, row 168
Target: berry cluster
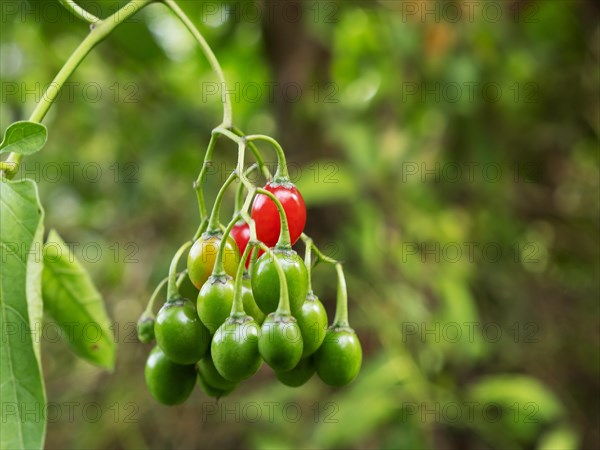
column 254, row 296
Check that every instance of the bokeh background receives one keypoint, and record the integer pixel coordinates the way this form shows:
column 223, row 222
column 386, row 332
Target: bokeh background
column 447, row 152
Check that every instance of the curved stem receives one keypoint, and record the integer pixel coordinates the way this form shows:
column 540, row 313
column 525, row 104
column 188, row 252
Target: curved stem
column 210, row 56
column 172, row 291
column 148, row 311
column 150, row 306
column 308, row 262
column 321, row 257
column 264, row 169
column 284, row 236
column 181, row 277
column 80, row 12
column 237, row 309
column 240, row 139
column 240, row 165
column 281, row 175
column 239, row 194
column 341, row 306
column 199, row 183
column 253, row 258
column 201, row 229
column 249, row 186
column 219, row 268
column 214, row 224
column 283, row 308
column 98, row 33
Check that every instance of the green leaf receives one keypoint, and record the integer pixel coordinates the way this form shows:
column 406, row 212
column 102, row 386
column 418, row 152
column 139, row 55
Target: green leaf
column 71, row 298
column 21, row 381
column 561, row 438
column 24, row 138
column 525, row 403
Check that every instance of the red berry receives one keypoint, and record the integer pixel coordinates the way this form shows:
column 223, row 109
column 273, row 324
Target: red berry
column 241, row 235
column 266, row 216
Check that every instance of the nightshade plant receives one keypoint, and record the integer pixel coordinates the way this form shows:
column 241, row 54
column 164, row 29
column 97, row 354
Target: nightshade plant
column 239, row 294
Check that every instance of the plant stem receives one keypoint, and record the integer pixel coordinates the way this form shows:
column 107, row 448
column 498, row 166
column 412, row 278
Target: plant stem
column 210, row 56
column 281, row 175
column 249, row 186
column 237, row 309
column 308, row 262
column 201, row 229
column 181, row 277
column 321, row 257
column 100, row 30
column 241, row 139
column 283, row 308
column 240, row 165
column 172, row 291
column 219, row 268
column 199, row 183
column 80, row 12
column 148, row 311
column 253, row 258
column 240, row 189
column 341, row 306
column 264, row 169
column 214, row 224
column 284, row 235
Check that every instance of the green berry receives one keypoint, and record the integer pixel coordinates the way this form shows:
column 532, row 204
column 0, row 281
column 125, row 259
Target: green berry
column 210, row 391
column 180, row 333
column 312, row 320
column 280, row 343
column 215, row 300
column 265, row 280
column 234, row 348
column 339, row 358
column 145, row 329
column 250, row 305
column 212, row 377
column 168, row 382
column 299, row 375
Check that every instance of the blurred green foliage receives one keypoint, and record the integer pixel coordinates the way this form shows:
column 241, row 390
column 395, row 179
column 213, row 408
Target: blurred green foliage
column 452, row 164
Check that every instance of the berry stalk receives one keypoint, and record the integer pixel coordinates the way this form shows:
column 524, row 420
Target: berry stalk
column 341, row 307
column 281, row 175
column 237, row 309
column 283, row 308
column 214, row 224
column 172, row 290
